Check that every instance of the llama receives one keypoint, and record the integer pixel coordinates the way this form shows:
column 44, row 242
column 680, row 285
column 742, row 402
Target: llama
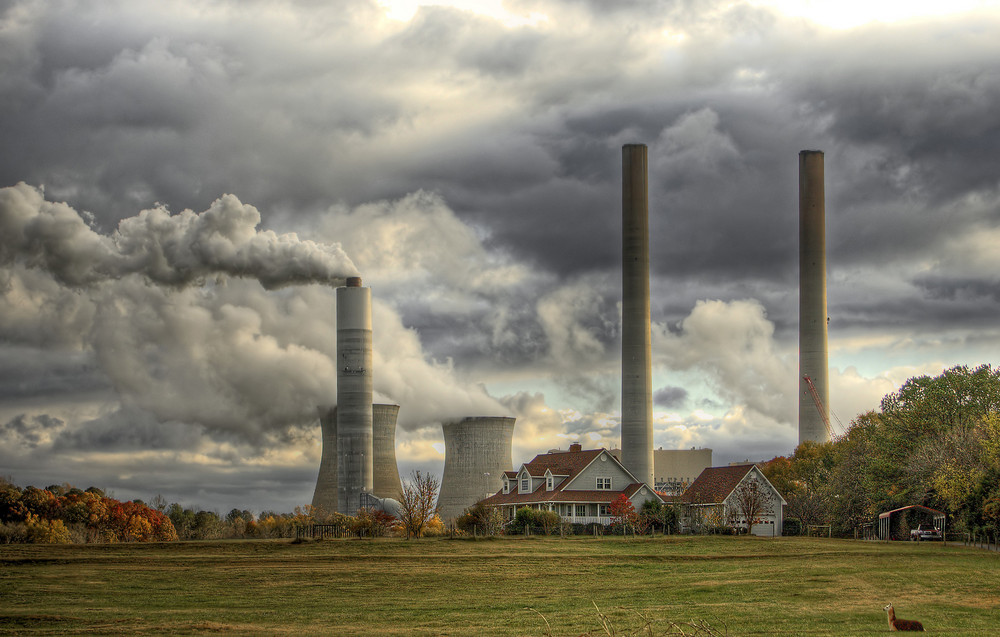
column 901, row 624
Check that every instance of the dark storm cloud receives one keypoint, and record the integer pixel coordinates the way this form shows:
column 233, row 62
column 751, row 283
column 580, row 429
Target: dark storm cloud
column 27, row 373
column 30, row 430
column 670, row 397
column 307, row 111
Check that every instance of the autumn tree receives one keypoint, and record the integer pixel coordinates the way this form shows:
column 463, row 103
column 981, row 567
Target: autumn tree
column 418, row 502
column 481, row 519
column 622, row 513
column 752, row 501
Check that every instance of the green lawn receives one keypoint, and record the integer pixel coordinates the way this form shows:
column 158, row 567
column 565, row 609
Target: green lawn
column 748, row 586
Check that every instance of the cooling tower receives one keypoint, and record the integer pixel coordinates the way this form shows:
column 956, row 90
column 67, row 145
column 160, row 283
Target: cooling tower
column 812, row 299
column 476, row 453
column 637, row 377
column 355, row 457
column 386, row 473
column 325, row 495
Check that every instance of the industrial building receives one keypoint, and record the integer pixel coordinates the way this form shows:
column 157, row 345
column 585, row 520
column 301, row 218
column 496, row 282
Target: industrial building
column 477, row 453
column 676, row 469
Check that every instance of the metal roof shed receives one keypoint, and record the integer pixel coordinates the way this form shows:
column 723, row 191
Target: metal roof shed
column 885, row 520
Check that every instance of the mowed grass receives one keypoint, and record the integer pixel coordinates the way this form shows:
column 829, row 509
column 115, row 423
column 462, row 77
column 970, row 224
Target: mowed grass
column 748, row 586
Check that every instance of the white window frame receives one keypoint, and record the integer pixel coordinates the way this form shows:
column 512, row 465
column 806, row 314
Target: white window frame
column 603, row 483
column 525, row 485
column 602, row 510
column 576, row 510
column 550, row 483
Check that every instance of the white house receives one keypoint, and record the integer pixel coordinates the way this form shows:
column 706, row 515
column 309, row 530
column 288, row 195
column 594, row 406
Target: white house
column 577, row 484
column 722, row 496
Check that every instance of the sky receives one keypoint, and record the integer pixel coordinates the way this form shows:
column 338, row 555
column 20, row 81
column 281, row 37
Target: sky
column 184, row 184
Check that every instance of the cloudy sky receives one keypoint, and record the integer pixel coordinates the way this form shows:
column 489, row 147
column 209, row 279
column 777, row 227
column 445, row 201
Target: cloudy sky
column 185, row 183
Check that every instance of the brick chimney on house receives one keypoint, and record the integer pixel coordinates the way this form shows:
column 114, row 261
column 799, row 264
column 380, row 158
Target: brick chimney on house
column 576, row 447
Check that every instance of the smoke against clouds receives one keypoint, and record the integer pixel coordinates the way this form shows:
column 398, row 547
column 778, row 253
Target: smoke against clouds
column 472, row 175
column 173, row 250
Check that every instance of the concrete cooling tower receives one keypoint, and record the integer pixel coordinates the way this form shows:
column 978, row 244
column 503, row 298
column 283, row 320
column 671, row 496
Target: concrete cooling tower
column 813, row 417
column 325, row 495
column 355, row 457
column 476, row 453
column 386, row 482
column 385, row 472
column 637, row 375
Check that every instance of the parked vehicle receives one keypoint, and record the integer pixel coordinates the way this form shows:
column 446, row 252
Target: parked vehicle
column 925, row 532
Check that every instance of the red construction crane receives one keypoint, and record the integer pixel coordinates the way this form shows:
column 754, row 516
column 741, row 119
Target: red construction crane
column 819, row 405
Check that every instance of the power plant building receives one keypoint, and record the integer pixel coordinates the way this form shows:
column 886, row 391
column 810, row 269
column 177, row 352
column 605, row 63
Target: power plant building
column 676, row 469
column 477, row 453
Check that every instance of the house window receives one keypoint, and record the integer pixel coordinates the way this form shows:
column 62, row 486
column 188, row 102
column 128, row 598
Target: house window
column 506, row 486
column 525, row 485
column 548, row 483
column 604, row 484
column 581, row 510
column 602, row 510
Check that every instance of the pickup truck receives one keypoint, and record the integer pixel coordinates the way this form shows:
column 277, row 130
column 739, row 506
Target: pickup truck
column 925, row 532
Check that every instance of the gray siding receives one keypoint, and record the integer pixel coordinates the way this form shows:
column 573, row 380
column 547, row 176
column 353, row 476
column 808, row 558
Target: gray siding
column 587, row 479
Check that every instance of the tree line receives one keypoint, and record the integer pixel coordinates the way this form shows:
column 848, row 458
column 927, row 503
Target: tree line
column 64, row 514
column 934, row 442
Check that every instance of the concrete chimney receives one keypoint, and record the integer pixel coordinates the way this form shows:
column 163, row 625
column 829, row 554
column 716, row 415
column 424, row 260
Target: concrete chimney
column 637, row 376
column 812, row 299
column 355, row 456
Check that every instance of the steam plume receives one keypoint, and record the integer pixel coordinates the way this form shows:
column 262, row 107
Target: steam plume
column 167, row 249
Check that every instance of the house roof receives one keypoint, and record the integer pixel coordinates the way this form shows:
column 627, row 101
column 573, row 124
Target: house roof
column 562, row 463
column 715, row 484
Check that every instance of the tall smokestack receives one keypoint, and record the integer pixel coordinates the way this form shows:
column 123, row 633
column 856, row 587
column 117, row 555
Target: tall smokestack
column 812, row 300
column 355, row 466
column 637, row 376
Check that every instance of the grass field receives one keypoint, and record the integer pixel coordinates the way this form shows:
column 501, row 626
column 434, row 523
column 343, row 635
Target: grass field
column 746, row 586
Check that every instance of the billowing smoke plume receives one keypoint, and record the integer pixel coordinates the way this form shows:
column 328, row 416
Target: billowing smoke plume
column 167, row 249
column 179, row 317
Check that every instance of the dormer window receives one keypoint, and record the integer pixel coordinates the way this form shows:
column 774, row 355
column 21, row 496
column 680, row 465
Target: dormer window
column 604, row 484
column 549, row 483
column 525, row 485
column 506, row 485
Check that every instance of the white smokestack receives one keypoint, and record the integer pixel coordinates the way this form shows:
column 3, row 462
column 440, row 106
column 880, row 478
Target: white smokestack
column 355, row 434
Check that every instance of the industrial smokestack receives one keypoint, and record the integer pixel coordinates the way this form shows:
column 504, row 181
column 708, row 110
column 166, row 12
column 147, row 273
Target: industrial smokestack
column 476, row 453
column 325, row 495
column 814, row 411
column 637, row 376
column 386, row 472
column 355, row 456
